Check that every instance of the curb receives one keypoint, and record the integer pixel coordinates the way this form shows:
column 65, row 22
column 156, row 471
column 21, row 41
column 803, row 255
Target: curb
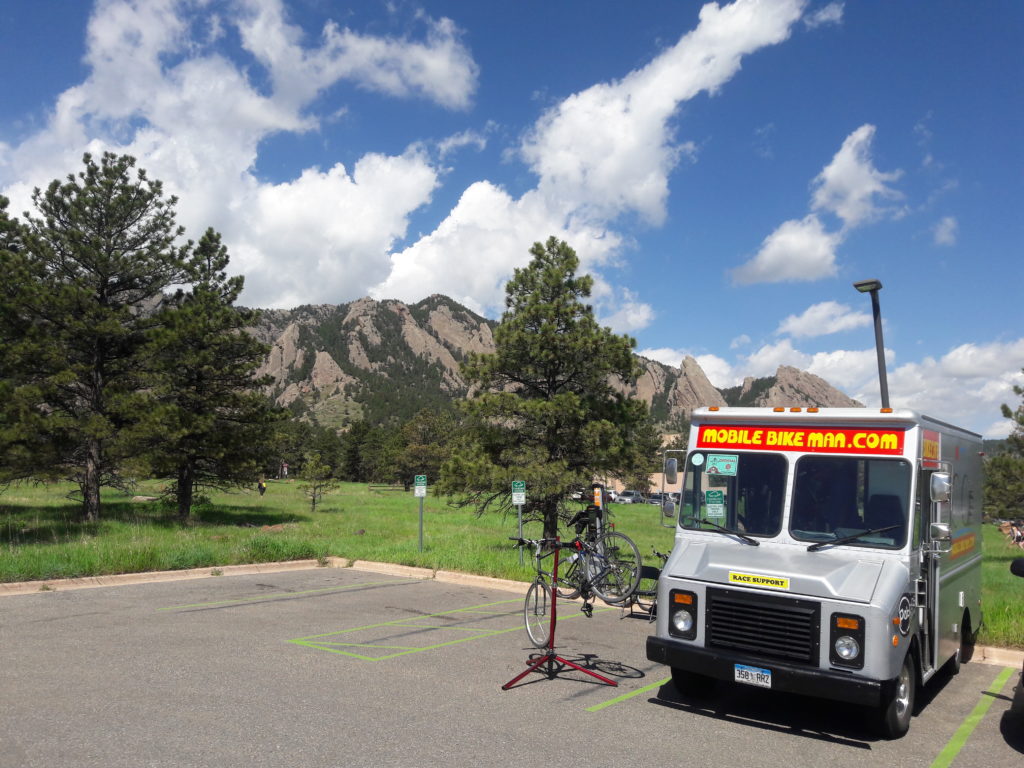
column 983, row 654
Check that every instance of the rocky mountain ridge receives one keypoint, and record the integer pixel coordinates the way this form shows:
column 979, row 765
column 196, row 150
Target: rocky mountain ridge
column 383, row 360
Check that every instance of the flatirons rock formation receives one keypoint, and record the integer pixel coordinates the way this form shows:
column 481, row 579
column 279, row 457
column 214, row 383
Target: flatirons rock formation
column 385, row 360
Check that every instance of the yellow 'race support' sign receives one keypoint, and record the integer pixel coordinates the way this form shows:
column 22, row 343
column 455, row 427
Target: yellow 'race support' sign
column 758, row 580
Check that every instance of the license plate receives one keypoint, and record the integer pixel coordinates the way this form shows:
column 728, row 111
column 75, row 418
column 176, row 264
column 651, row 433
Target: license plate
column 752, row 675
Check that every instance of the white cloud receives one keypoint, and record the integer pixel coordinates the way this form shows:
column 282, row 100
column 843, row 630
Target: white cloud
column 798, row 250
column 609, row 149
column 630, row 315
column 824, row 318
column 830, row 14
column 664, row 355
column 452, row 144
column 850, row 186
column 195, row 119
column 719, row 372
column 945, row 231
column 740, row 341
column 598, row 154
column 852, row 371
column 766, row 360
column 335, row 226
column 440, row 68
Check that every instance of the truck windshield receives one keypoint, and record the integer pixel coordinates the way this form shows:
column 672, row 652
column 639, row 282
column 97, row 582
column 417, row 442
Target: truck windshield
column 737, row 491
column 839, row 497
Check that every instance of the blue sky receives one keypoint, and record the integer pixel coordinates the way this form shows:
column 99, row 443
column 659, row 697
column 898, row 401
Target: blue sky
column 724, row 171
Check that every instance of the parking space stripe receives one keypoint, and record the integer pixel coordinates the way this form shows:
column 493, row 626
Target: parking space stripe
column 630, row 695
column 276, row 595
column 956, row 743
column 337, row 644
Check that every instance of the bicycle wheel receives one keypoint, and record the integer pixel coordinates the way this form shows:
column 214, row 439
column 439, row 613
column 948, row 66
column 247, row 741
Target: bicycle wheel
column 617, row 564
column 568, row 584
column 536, row 612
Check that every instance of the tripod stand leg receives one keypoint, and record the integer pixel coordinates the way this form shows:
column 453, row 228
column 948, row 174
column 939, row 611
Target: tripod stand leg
column 536, row 663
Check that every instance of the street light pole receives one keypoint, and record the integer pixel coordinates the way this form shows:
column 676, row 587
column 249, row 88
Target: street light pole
column 873, row 287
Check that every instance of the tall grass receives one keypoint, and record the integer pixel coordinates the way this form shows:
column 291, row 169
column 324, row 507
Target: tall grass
column 41, row 538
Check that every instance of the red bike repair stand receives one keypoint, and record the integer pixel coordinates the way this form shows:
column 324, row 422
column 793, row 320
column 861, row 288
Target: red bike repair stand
column 550, row 658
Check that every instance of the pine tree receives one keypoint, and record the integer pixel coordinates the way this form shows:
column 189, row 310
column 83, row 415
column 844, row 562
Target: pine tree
column 1004, row 474
column 546, row 410
column 211, row 425
column 316, row 479
column 90, row 270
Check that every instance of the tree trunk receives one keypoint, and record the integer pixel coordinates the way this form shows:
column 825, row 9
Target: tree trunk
column 186, row 482
column 550, row 521
column 91, row 482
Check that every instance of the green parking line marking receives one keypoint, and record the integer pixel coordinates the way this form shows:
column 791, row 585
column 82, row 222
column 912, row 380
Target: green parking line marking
column 955, row 744
column 337, row 644
column 274, row 596
column 630, row 695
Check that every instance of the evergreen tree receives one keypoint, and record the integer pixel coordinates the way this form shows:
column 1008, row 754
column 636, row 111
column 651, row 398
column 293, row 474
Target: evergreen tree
column 1004, row 474
column 211, row 424
column 316, row 479
column 1015, row 441
column 428, row 438
column 545, row 408
column 91, row 268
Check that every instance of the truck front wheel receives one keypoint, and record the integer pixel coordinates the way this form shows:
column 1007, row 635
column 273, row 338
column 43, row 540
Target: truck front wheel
column 895, row 713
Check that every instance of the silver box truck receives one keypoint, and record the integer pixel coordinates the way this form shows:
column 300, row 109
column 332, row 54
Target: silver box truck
column 832, row 552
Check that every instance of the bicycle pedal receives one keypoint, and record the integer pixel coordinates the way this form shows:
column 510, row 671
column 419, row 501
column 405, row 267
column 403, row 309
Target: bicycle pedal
column 588, row 610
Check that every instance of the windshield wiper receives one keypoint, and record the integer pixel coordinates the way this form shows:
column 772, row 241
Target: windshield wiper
column 723, row 529
column 851, row 537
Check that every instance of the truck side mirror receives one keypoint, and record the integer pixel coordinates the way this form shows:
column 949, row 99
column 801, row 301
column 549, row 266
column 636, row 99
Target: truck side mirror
column 940, row 486
column 671, row 471
column 940, row 532
column 668, row 509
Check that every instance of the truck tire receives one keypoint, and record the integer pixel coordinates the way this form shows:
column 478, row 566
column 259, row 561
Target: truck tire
column 895, row 713
column 966, row 649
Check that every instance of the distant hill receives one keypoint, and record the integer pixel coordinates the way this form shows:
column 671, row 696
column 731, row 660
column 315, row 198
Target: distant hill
column 385, row 360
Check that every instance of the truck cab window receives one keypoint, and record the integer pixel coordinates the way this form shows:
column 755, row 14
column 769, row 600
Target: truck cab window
column 749, row 501
column 836, row 497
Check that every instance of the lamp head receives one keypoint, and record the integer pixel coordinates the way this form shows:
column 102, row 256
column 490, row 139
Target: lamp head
column 868, row 286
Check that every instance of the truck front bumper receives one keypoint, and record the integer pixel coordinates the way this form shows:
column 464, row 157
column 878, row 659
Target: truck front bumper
column 825, row 684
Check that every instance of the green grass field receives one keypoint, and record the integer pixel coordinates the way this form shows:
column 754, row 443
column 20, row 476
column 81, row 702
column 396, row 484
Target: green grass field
column 41, row 538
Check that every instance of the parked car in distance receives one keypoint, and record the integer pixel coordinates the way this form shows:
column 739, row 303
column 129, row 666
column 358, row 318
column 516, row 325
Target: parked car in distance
column 630, row 497
column 657, row 498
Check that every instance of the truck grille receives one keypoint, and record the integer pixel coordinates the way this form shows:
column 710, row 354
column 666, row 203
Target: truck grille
column 774, row 627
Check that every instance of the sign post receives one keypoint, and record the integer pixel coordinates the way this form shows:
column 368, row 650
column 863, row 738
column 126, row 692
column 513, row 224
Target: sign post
column 518, row 499
column 421, row 494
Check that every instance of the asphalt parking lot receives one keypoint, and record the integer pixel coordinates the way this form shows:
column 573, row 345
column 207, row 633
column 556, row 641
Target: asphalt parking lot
column 339, row 666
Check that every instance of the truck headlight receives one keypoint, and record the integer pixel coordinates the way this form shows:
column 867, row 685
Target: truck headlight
column 847, row 648
column 846, row 635
column 682, row 614
column 682, row 621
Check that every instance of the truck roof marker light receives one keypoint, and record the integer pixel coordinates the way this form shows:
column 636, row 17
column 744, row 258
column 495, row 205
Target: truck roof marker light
column 885, row 410
column 778, row 409
column 795, row 409
column 812, row 409
column 712, row 407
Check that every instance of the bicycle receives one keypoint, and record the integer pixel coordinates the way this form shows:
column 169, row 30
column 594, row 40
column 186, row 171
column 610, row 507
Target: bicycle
column 537, row 606
column 539, row 613
column 606, row 566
